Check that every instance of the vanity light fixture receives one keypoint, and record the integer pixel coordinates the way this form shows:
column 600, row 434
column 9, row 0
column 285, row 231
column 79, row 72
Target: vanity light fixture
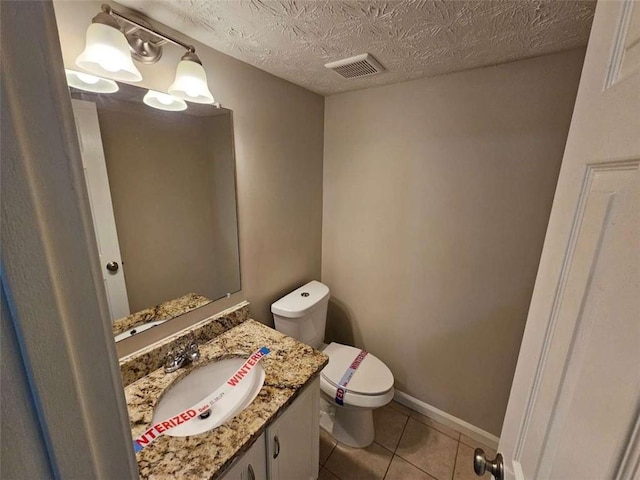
column 106, row 51
column 191, row 80
column 164, row 101
column 89, row 83
column 113, row 38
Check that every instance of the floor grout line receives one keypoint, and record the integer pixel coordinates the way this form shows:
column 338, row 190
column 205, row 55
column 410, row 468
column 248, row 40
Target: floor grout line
column 324, row 465
column 332, row 472
column 397, row 445
column 404, row 427
column 388, row 466
column 455, row 461
column 394, row 451
column 416, row 466
column 330, row 453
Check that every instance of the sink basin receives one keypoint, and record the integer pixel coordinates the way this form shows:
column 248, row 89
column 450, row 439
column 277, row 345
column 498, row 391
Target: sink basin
column 201, row 383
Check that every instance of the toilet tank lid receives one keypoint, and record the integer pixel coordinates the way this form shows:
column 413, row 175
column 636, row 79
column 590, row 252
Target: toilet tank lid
column 301, row 301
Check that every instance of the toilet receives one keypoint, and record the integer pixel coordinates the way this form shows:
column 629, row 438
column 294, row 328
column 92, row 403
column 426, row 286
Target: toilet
column 302, row 314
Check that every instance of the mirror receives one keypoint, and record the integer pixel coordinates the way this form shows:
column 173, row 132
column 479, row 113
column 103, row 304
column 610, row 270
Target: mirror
column 163, row 200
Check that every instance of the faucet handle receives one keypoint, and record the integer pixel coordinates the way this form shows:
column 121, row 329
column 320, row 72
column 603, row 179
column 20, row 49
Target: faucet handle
column 171, row 362
column 169, row 357
column 192, row 351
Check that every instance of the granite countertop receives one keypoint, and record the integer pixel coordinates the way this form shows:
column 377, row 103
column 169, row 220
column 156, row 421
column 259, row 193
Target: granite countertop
column 288, row 368
column 165, row 311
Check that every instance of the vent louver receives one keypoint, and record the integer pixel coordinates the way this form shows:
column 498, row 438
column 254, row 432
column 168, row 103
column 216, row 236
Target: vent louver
column 356, row 67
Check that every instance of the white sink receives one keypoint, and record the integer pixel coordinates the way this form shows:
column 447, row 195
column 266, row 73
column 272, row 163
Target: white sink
column 201, row 383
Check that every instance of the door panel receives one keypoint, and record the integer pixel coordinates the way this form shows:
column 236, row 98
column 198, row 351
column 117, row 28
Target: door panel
column 575, row 399
column 584, row 375
column 104, row 223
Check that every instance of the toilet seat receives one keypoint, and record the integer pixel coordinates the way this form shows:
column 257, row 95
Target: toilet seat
column 370, row 387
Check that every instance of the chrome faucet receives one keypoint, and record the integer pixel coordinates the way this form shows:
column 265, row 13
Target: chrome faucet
column 186, row 354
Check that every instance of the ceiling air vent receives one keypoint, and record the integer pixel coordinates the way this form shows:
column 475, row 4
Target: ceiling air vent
column 355, row 67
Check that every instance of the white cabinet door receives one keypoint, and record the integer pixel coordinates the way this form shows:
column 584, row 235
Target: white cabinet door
column 252, row 465
column 293, row 439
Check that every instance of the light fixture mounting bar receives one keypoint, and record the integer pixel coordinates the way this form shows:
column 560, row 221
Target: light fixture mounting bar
column 107, row 9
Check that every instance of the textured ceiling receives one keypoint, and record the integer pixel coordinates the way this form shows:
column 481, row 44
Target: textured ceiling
column 293, row 39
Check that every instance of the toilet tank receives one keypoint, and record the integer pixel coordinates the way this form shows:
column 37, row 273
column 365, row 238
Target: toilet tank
column 302, row 314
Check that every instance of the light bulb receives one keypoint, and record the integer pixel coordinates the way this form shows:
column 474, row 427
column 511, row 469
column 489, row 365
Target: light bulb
column 192, row 91
column 109, row 63
column 90, row 83
column 191, row 81
column 163, row 101
column 107, row 53
column 86, row 78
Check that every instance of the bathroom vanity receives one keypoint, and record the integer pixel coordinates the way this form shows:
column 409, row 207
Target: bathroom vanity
column 275, row 437
column 289, row 446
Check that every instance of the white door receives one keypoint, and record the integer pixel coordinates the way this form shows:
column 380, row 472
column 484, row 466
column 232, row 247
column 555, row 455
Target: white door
column 573, row 413
column 104, row 223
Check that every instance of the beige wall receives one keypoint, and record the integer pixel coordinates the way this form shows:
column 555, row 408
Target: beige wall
column 278, row 129
column 437, row 194
column 161, row 177
column 27, row 458
column 225, row 241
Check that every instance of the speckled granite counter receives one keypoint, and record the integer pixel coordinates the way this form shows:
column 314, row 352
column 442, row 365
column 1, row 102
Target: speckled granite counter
column 150, row 358
column 165, row 311
column 289, row 367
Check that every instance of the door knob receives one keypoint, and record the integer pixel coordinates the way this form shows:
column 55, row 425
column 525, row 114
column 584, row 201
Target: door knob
column 113, row 266
column 481, row 465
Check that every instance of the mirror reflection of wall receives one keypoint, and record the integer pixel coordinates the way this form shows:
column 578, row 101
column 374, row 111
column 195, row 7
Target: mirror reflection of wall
column 163, row 202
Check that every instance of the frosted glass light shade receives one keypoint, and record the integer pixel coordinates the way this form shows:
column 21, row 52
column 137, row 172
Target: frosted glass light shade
column 106, row 54
column 90, row 83
column 191, row 83
column 163, row 101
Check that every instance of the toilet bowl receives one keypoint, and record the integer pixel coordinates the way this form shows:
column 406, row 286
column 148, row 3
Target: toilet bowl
column 370, row 387
column 302, row 315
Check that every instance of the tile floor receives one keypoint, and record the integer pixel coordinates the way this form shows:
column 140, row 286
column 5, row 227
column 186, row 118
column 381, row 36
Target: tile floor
column 408, row 446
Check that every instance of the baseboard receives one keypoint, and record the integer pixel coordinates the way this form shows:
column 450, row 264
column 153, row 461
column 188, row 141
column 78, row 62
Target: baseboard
column 446, row 419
